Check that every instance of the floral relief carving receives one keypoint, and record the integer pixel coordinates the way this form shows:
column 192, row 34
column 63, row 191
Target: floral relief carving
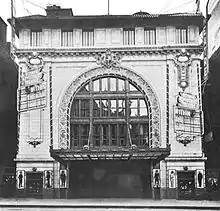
column 108, row 59
column 68, row 97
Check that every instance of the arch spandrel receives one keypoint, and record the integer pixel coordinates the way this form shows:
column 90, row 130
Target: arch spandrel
column 66, row 102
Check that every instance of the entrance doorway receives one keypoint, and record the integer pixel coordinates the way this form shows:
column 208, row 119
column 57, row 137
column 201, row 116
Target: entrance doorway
column 110, row 179
column 34, row 184
column 186, row 184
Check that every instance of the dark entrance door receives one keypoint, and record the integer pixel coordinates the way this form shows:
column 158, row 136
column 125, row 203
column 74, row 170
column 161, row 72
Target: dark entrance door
column 34, row 184
column 110, row 179
column 186, row 184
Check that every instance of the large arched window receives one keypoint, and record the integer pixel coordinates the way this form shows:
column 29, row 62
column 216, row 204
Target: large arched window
column 109, row 111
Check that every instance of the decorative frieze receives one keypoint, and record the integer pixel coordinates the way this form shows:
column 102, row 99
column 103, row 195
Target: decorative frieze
column 123, row 51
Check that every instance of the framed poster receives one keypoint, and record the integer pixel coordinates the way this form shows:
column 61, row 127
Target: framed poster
column 156, row 178
column 20, row 178
column 172, row 178
column 48, row 175
column 200, row 178
column 63, row 178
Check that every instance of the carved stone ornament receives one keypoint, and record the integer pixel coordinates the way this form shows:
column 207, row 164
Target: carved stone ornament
column 183, row 61
column 34, row 142
column 108, row 59
column 185, row 138
column 67, row 99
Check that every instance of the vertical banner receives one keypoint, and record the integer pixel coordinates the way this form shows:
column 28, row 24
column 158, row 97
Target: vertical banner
column 63, row 178
column 48, row 175
column 20, row 179
column 172, row 178
column 156, row 178
column 200, row 178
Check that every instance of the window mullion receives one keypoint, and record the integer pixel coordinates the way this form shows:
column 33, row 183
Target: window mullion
column 127, row 107
column 90, row 116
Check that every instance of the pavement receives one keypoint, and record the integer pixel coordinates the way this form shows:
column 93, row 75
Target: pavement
column 105, row 204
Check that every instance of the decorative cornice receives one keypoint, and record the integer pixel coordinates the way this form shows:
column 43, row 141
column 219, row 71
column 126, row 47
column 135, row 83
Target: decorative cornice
column 123, row 51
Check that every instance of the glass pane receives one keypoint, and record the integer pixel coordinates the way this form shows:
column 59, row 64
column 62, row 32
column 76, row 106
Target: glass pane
column 96, row 135
column 104, row 107
column 144, row 134
column 84, row 108
column 113, row 107
column 143, row 108
column 121, row 107
column 104, row 84
column 134, row 131
column 84, row 134
column 133, row 107
column 122, row 135
column 132, row 88
column 113, row 135
column 85, row 89
column 105, row 134
column 75, row 135
column 75, row 108
column 133, row 103
column 113, row 84
column 121, row 85
column 96, row 86
column 96, row 108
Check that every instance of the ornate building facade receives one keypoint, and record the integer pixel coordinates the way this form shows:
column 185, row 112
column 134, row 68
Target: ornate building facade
column 109, row 106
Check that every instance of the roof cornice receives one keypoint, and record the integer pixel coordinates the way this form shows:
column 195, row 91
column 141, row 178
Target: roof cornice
column 126, row 51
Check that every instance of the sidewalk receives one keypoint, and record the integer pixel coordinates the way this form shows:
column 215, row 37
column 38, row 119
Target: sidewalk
column 131, row 204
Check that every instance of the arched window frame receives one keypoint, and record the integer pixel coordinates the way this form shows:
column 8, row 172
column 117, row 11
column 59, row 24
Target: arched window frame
column 65, row 102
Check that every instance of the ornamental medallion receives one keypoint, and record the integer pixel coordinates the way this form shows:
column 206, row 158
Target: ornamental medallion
column 108, row 59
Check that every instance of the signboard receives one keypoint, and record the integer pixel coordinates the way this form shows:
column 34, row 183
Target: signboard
column 187, row 100
column 183, row 60
column 33, row 85
column 187, row 121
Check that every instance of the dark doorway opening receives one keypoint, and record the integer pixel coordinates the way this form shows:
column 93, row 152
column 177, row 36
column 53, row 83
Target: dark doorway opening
column 34, row 184
column 186, row 184
column 110, row 179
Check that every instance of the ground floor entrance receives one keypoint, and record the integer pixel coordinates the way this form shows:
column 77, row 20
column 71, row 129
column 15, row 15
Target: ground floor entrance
column 34, row 184
column 186, row 184
column 110, row 179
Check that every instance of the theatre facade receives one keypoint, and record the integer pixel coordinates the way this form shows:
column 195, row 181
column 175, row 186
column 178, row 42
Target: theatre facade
column 109, row 106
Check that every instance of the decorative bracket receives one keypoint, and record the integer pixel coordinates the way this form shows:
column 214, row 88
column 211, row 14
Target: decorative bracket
column 108, row 59
column 185, row 139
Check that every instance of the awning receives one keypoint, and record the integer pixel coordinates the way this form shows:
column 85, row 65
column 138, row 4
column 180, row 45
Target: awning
column 116, row 153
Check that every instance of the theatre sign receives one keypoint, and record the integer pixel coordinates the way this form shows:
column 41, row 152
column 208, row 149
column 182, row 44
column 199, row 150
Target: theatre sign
column 187, row 118
column 33, row 85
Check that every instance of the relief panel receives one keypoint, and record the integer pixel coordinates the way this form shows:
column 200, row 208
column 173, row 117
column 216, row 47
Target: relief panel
column 116, row 36
column 100, row 37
